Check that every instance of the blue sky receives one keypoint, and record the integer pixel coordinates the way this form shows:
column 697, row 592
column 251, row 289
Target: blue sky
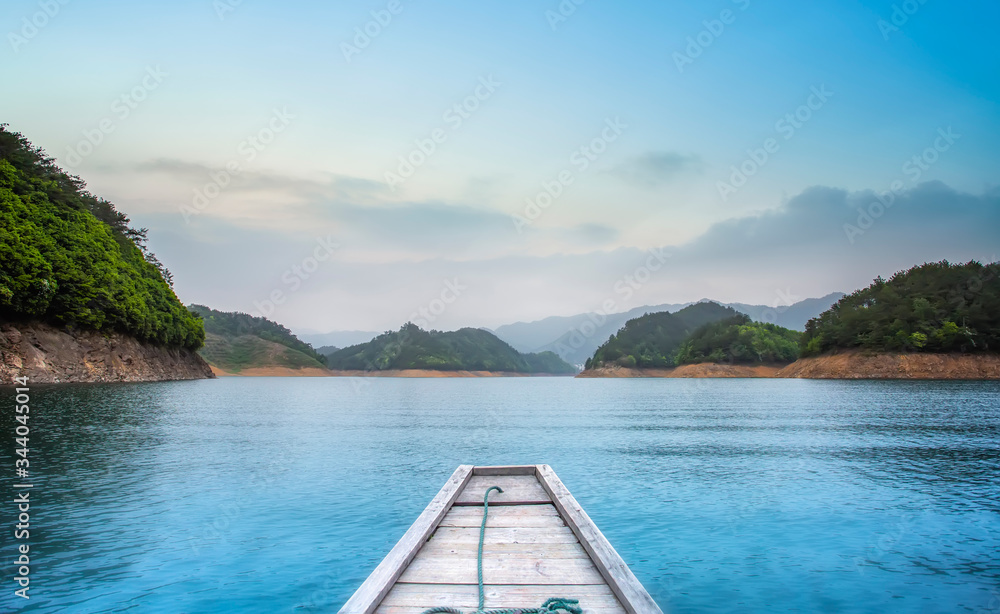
column 200, row 79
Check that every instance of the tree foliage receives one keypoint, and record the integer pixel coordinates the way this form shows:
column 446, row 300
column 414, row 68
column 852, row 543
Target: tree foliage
column 467, row 349
column 71, row 259
column 235, row 324
column 739, row 340
column 652, row 340
column 933, row 307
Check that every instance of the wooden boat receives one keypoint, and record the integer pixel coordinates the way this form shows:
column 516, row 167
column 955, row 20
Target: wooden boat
column 539, row 544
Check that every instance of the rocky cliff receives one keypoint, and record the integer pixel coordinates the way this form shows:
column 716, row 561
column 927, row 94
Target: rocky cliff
column 48, row 355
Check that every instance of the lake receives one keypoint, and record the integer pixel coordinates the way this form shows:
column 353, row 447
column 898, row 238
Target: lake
column 281, row 495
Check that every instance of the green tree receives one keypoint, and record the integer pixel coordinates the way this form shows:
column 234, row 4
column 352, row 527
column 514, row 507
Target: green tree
column 71, row 259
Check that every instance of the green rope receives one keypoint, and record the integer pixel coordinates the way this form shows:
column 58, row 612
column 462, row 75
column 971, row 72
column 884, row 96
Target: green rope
column 551, row 606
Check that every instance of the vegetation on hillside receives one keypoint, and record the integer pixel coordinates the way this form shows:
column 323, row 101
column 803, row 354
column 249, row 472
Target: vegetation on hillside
column 234, row 342
column 934, row 307
column 467, row 349
column 71, row 259
column 235, row 354
column 739, row 340
column 327, row 350
column 652, row 340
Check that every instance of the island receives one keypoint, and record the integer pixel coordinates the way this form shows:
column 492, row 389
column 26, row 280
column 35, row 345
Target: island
column 414, row 352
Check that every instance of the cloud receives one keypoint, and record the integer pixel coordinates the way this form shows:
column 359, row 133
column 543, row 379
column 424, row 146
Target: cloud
column 655, row 168
column 330, row 186
column 395, row 257
column 926, row 218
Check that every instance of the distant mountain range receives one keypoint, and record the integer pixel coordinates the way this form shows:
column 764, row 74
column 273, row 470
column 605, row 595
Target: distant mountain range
column 575, row 338
column 467, row 349
column 339, row 338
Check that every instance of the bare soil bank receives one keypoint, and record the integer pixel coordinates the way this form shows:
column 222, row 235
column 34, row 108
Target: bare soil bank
column 315, row 372
column 706, row 369
column 47, row 355
column 844, row 365
column 858, row 365
column 274, row 372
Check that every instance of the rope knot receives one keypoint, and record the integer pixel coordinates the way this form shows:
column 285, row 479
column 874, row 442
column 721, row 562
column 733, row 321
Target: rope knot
column 567, row 605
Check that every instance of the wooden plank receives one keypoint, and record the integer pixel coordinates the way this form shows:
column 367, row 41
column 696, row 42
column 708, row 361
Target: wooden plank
column 395, row 609
column 500, row 535
column 497, row 595
column 519, row 516
column 523, row 489
column 504, row 470
column 440, row 548
column 626, row 586
column 427, row 569
column 415, row 598
column 378, row 584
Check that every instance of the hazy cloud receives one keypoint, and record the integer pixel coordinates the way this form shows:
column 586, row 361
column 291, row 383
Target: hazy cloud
column 655, row 168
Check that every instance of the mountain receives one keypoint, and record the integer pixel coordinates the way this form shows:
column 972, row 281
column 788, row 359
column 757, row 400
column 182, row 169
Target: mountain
column 792, row 316
column 71, row 260
column 541, row 335
column 467, row 349
column 934, row 307
column 327, row 350
column 652, row 340
column 339, row 338
column 235, row 342
column 580, row 335
column 739, row 341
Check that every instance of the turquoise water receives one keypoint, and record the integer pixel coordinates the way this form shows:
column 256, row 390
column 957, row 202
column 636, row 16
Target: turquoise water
column 281, row 495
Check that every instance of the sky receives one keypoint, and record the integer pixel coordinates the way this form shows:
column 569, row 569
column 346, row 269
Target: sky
column 354, row 165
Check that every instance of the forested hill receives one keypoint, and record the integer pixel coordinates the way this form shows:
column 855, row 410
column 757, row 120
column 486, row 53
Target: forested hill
column 740, row 341
column 70, row 259
column 467, row 349
column 652, row 340
column 933, row 307
column 238, row 341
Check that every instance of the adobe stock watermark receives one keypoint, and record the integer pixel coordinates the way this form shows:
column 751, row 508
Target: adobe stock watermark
column 886, row 544
column 901, row 14
column 121, row 109
column 423, row 317
column 785, row 300
column 224, row 7
column 913, row 169
column 581, row 159
column 294, row 276
column 33, row 24
column 455, row 117
column 625, row 288
column 565, row 10
column 368, row 32
column 714, row 28
column 786, row 127
column 248, row 150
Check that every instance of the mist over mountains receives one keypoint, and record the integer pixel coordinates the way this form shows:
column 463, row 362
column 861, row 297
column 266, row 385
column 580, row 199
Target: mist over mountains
column 575, row 338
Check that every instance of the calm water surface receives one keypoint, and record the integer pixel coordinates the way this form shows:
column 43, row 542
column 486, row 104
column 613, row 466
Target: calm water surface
column 281, row 495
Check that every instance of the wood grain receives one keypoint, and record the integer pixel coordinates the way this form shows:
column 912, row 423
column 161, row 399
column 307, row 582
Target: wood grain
column 378, row 584
column 631, row 593
column 516, row 489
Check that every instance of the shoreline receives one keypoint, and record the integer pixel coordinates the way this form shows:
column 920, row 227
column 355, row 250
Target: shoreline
column 702, row 370
column 402, row 373
column 845, row 365
column 50, row 355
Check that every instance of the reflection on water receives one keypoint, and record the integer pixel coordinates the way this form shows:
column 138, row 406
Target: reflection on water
column 281, row 495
